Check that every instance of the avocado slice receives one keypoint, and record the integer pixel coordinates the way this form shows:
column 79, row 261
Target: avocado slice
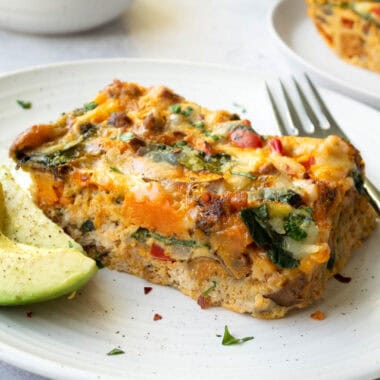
column 38, row 261
column 32, row 274
column 21, row 220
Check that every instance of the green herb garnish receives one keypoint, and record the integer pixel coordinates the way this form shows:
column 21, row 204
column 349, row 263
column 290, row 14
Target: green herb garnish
column 229, row 340
column 142, row 234
column 89, row 106
column 87, row 226
column 115, row 170
column 243, row 174
column 187, row 111
column 199, row 124
column 70, row 244
column 115, row 351
column 175, row 108
column 210, row 289
column 24, row 104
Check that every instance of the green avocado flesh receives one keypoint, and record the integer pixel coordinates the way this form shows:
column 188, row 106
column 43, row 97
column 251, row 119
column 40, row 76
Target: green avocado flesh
column 38, row 261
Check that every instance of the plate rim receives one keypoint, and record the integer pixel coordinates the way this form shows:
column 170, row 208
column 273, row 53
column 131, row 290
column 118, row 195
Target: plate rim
column 310, row 66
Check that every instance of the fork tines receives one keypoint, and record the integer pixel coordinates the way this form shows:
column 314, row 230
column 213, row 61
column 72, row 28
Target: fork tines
column 299, row 127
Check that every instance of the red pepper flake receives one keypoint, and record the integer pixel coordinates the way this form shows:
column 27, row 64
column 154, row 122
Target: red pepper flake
column 159, row 253
column 341, row 278
column 347, row 23
column 29, row 314
column 204, row 302
column 147, row 289
column 276, row 146
column 318, row 315
column 157, row 317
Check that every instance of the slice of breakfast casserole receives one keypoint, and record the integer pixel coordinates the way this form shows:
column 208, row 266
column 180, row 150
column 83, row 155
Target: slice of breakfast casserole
column 351, row 28
column 160, row 187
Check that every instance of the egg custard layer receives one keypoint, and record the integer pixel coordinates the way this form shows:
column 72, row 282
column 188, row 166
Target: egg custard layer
column 163, row 188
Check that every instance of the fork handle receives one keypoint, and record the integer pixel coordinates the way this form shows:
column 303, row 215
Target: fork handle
column 373, row 193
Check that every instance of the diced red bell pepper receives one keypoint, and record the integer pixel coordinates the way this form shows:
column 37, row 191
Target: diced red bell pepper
column 159, row 253
column 376, row 11
column 244, row 138
column 308, row 163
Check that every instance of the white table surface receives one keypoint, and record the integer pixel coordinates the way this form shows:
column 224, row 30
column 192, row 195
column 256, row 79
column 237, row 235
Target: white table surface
column 232, row 32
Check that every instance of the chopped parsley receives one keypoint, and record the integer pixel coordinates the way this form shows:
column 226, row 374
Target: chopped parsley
column 89, row 106
column 115, row 351
column 243, row 174
column 87, row 226
column 115, row 170
column 187, row 111
column 142, row 234
column 210, row 289
column 26, row 105
column 229, row 340
column 199, row 124
column 71, row 245
column 175, row 108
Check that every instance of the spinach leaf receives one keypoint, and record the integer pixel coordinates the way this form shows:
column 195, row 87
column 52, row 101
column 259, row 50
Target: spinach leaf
column 291, row 197
column 358, row 181
column 142, row 234
column 187, row 156
column 293, row 227
column 61, row 154
column 282, row 258
column 256, row 219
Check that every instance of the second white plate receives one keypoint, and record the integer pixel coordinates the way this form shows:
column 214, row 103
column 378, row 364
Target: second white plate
column 297, row 37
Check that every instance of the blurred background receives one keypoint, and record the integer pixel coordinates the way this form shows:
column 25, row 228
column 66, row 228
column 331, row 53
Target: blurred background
column 217, row 31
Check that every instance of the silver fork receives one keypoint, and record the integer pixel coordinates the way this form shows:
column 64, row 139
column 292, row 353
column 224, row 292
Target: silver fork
column 298, row 127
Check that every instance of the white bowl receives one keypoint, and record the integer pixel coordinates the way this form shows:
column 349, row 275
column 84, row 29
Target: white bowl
column 58, row 16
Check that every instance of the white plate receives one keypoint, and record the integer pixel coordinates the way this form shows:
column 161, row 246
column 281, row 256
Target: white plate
column 69, row 339
column 298, row 38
